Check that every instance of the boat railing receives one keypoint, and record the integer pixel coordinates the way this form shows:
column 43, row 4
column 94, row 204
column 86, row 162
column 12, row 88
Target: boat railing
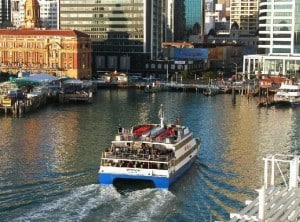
column 158, row 138
column 129, row 163
column 136, row 156
column 136, row 161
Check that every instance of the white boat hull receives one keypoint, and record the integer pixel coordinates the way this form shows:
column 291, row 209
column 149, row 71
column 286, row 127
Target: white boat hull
column 288, row 94
column 286, row 100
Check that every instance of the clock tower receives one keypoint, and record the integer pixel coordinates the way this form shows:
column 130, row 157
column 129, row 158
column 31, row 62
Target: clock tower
column 31, row 14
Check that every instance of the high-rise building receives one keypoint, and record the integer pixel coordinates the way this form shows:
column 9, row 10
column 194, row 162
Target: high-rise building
column 48, row 13
column 177, row 20
column 245, row 14
column 279, row 39
column 193, row 18
column 279, row 27
column 123, row 32
column 16, row 18
column 5, row 14
column 216, row 16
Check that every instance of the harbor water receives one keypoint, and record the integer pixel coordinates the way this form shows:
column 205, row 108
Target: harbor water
column 49, row 159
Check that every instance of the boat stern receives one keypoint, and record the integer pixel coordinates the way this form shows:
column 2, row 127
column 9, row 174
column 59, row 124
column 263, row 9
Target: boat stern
column 108, row 175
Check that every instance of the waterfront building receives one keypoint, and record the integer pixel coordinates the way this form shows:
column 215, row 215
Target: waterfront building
column 232, row 28
column 279, row 40
column 227, row 48
column 178, row 58
column 35, row 49
column 124, row 33
column 48, row 13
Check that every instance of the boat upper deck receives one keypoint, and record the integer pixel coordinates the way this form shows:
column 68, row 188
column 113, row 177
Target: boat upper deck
column 145, row 145
column 148, row 157
column 154, row 133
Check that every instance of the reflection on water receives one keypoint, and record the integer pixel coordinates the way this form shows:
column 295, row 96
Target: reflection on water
column 51, row 157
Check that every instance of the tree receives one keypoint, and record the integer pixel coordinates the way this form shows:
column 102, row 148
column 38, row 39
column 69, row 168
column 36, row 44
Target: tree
column 208, row 75
column 185, row 74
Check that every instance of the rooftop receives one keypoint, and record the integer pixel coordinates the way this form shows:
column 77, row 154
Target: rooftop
column 43, row 32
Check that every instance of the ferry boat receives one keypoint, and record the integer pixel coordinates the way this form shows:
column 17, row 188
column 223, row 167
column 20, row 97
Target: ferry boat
column 288, row 94
column 159, row 153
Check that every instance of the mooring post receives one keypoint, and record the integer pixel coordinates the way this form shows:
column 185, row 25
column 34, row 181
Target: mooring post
column 233, row 95
column 266, row 172
column 272, row 182
column 294, row 172
column 261, row 204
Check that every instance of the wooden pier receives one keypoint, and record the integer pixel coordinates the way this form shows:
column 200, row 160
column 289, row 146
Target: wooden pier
column 279, row 198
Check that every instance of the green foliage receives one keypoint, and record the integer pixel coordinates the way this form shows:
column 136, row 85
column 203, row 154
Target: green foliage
column 209, row 75
column 185, row 74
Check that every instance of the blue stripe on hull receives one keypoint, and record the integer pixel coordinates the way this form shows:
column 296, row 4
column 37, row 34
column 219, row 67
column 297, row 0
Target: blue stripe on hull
column 159, row 182
column 181, row 171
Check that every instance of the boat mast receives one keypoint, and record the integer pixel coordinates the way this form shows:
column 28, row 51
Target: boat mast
column 161, row 116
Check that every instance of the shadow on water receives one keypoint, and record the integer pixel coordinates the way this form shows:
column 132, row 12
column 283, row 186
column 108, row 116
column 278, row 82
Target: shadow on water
column 124, row 186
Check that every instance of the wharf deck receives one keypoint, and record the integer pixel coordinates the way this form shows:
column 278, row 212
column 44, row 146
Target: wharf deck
column 279, row 198
column 280, row 204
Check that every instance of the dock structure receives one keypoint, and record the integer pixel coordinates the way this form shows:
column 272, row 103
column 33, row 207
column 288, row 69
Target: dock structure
column 76, row 97
column 279, row 197
column 201, row 87
column 19, row 107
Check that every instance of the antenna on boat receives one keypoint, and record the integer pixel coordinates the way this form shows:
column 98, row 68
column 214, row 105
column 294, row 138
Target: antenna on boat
column 161, row 116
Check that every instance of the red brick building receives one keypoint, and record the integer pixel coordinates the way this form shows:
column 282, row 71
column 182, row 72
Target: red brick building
column 34, row 49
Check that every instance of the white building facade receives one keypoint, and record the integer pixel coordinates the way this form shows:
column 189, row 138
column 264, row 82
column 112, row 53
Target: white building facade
column 279, row 40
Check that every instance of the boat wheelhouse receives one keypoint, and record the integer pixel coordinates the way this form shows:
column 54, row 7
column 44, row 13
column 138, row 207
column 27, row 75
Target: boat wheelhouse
column 160, row 153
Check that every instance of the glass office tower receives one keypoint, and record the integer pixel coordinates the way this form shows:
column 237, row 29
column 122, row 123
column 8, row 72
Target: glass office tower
column 193, row 17
column 5, row 13
column 123, row 32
